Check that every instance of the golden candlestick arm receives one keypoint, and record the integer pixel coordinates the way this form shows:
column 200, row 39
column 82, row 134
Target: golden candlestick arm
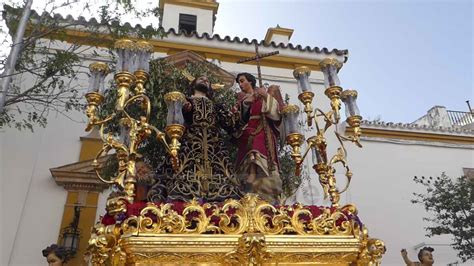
column 317, row 143
column 353, row 118
column 301, row 74
column 140, row 79
column 123, row 80
column 330, row 66
column 334, row 94
column 174, row 129
column 295, row 140
column 144, row 49
column 174, row 132
column 94, row 100
column 307, row 98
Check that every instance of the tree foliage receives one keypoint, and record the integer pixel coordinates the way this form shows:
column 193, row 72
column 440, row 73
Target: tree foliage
column 51, row 61
column 450, row 205
column 290, row 181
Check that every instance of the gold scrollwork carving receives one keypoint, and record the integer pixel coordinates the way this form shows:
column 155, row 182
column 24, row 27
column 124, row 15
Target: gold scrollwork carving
column 103, row 243
column 259, row 226
column 116, row 204
column 371, row 249
column 249, row 215
column 251, row 250
column 323, row 258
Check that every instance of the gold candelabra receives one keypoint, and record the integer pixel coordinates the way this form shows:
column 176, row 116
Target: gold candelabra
column 130, row 79
column 323, row 165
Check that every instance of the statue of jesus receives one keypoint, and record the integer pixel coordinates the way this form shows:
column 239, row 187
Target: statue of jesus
column 205, row 170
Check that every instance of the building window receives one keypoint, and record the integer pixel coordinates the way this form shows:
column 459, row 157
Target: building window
column 187, row 22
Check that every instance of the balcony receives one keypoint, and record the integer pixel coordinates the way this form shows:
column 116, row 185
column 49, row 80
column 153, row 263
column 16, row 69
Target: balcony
column 459, row 118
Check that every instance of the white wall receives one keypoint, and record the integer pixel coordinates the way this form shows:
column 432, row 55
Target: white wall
column 171, row 17
column 279, row 39
column 437, row 116
column 32, row 203
column 382, row 188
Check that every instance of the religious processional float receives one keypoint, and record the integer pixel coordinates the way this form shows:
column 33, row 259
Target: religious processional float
column 235, row 231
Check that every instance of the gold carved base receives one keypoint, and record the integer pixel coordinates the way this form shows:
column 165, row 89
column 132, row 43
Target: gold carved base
column 226, row 250
column 239, row 232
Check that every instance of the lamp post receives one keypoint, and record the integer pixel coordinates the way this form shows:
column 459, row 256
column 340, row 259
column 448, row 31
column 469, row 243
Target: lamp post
column 71, row 234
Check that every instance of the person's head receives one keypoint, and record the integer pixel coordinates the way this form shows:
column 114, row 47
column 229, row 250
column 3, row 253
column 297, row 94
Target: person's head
column 425, row 255
column 55, row 255
column 201, row 84
column 246, row 81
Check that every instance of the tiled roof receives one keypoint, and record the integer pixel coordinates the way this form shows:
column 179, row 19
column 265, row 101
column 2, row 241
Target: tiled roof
column 415, row 127
column 260, row 43
column 127, row 26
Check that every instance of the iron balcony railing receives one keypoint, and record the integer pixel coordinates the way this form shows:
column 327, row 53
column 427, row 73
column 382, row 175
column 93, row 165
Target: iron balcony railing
column 459, row 118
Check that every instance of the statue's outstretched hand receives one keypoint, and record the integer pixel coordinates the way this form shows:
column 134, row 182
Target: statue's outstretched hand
column 408, row 262
column 404, row 253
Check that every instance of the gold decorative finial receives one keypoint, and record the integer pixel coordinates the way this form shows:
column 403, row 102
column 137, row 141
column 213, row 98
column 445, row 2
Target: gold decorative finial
column 144, row 46
column 188, row 75
column 330, row 61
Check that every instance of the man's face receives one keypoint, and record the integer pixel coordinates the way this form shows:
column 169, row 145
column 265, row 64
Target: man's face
column 244, row 84
column 426, row 257
column 53, row 260
column 202, row 84
column 203, row 80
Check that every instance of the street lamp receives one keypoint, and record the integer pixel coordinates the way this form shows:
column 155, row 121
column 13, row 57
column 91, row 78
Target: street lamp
column 71, row 234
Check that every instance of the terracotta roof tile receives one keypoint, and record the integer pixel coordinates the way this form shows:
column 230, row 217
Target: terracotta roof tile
column 82, row 21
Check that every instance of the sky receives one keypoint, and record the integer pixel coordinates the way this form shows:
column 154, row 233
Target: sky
column 404, row 56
